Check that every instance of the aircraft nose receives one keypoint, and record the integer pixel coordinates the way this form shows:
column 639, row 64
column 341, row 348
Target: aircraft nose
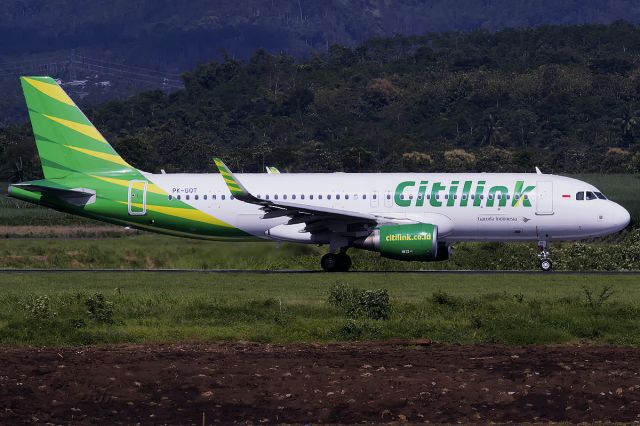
column 620, row 217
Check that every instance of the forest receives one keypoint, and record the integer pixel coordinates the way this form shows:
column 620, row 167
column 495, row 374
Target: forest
column 563, row 98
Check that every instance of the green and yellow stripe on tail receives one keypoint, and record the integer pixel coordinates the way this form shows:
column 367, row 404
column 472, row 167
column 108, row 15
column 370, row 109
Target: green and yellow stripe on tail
column 68, row 143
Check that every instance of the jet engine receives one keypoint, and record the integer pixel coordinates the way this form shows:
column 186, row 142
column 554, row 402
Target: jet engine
column 406, row 242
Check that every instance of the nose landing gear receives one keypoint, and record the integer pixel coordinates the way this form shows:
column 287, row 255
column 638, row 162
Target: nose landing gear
column 332, row 262
column 543, row 257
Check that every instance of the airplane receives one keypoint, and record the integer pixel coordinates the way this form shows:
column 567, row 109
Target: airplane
column 405, row 216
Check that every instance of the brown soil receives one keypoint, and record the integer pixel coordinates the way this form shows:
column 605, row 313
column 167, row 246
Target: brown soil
column 342, row 383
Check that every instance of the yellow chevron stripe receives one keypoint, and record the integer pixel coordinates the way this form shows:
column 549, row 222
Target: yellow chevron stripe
column 108, row 157
column 230, row 181
column 52, row 90
column 85, row 129
column 189, row 214
column 151, row 187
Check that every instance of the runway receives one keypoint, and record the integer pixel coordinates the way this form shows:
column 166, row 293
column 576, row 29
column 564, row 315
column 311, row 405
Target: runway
column 314, row 271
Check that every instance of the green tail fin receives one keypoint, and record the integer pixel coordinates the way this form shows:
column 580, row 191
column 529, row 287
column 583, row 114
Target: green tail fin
column 67, row 141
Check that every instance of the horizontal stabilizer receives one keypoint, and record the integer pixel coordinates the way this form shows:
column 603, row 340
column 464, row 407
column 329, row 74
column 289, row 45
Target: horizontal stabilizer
column 75, row 196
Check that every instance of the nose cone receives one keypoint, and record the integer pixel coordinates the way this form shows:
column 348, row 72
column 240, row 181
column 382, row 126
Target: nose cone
column 619, row 217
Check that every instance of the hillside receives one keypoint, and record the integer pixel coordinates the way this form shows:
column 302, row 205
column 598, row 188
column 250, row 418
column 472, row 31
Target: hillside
column 165, row 37
column 168, row 34
column 566, row 99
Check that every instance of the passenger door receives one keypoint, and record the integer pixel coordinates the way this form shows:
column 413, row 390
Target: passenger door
column 137, row 198
column 544, row 197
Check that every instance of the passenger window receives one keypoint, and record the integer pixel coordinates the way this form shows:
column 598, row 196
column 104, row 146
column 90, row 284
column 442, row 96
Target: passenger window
column 401, row 196
column 186, row 197
column 170, row 197
column 214, row 196
column 419, row 196
column 337, row 196
column 178, row 197
column 311, row 196
column 266, row 197
column 526, row 196
column 328, row 196
column 374, row 196
column 205, row 196
column 591, row 196
column 195, row 197
column 464, row 196
column 319, row 196
column 223, row 196
column 388, row 196
column 293, row 197
column 275, row 197
column 508, row 196
column 490, row 196
column 284, row 197
column 302, row 196
column 481, row 196
column 411, row 197
column 346, row 196
column 364, row 196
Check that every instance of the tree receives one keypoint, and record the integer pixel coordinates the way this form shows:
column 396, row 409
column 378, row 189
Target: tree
column 627, row 124
column 492, row 131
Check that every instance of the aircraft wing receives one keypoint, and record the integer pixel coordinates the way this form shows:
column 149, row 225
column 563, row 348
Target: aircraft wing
column 317, row 218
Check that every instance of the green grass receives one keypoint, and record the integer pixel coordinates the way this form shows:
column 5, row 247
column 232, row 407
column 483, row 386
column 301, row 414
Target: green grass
column 52, row 309
column 150, row 251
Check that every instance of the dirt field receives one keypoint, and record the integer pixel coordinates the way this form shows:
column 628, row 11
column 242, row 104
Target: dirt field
column 342, row 383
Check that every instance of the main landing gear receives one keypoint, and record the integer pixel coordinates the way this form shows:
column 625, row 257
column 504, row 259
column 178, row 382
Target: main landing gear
column 336, row 262
column 543, row 257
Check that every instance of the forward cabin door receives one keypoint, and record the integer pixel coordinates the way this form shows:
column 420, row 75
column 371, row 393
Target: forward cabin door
column 544, row 197
column 137, row 200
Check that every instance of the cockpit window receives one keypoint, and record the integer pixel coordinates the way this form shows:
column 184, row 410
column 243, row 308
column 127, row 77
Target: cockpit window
column 600, row 195
column 591, row 196
column 580, row 196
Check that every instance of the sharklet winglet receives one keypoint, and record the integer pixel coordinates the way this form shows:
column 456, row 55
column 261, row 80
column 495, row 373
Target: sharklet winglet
column 236, row 188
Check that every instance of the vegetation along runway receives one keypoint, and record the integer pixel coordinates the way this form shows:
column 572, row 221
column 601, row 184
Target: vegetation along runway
column 194, row 348
column 135, row 307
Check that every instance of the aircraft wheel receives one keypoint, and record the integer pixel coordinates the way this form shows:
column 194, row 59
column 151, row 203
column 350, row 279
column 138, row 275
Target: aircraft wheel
column 546, row 265
column 344, row 262
column 330, row 262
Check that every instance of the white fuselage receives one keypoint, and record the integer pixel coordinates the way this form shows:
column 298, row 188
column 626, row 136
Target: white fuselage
column 465, row 206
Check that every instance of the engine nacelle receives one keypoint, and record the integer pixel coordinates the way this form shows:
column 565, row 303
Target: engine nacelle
column 406, row 242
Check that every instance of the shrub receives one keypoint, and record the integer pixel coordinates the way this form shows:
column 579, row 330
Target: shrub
column 443, row 298
column 357, row 303
column 99, row 309
column 594, row 301
column 39, row 308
